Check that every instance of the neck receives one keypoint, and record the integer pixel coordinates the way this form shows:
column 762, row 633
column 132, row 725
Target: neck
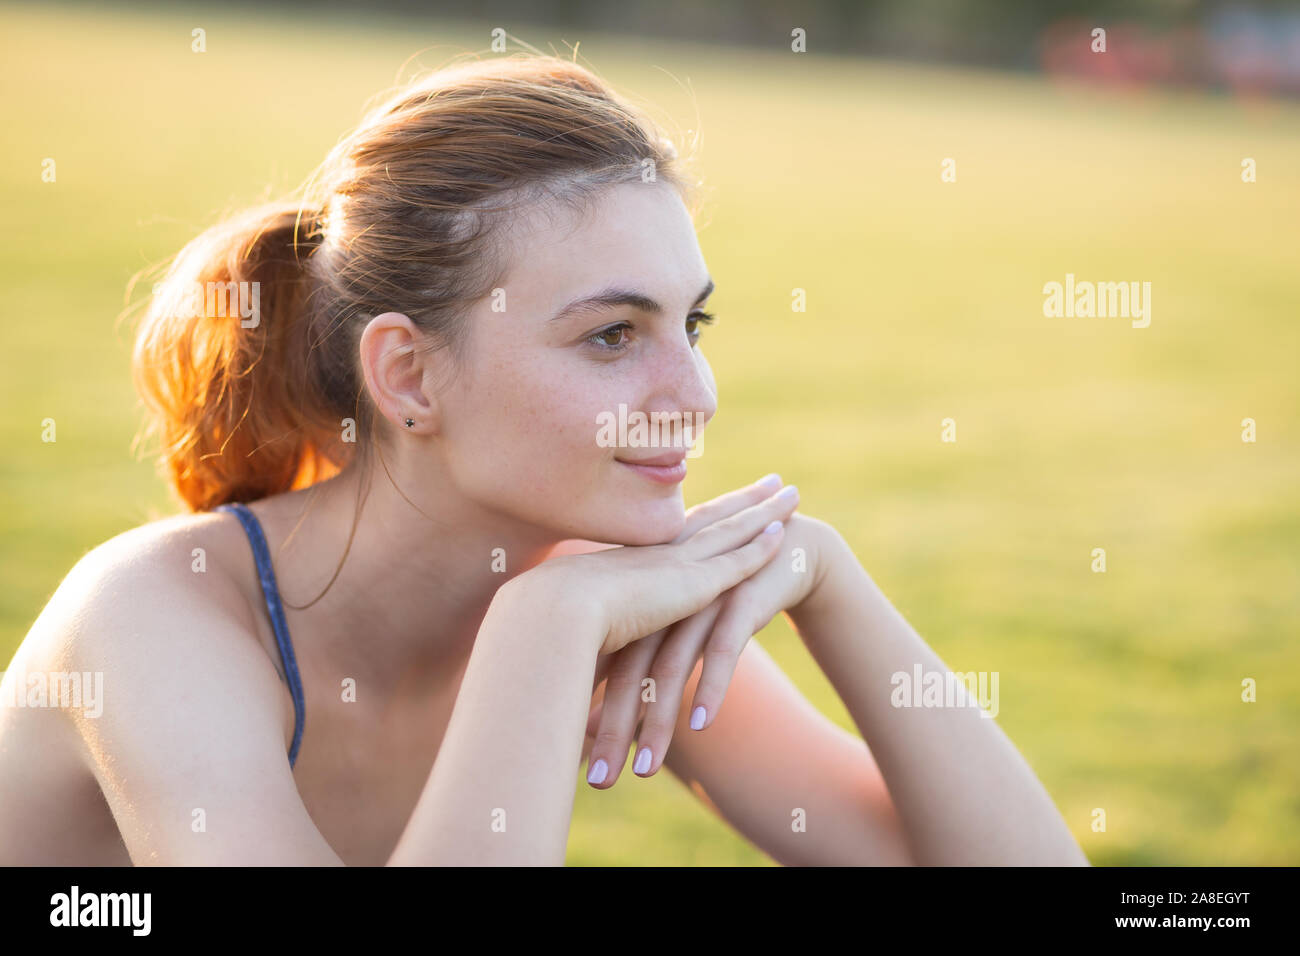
column 403, row 611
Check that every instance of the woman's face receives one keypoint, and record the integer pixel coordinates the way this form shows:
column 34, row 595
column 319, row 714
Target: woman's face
column 531, row 426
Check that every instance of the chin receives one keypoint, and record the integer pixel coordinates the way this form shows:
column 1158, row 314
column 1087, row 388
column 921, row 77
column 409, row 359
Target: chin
column 645, row 526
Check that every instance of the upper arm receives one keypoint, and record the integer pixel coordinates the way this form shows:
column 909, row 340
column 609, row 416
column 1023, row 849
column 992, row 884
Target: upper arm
column 188, row 747
column 769, row 754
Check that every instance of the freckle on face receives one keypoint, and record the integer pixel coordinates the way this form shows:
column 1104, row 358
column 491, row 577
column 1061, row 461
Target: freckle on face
column 522, row 433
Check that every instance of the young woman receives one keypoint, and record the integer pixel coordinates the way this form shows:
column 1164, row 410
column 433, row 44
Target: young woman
column 400, row 598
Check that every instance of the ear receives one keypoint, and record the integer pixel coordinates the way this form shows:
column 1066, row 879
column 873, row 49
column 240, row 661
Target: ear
column 395, row 373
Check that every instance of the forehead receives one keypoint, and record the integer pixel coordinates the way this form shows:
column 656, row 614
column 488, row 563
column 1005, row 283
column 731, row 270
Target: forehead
column 638, row 235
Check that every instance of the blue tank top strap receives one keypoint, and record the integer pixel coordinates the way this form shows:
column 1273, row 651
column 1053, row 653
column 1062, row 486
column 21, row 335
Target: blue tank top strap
column 265, row 572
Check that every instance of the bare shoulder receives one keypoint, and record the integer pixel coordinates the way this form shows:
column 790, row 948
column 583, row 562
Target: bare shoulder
column 193, row 714
column 154, row 613
column 179, row 569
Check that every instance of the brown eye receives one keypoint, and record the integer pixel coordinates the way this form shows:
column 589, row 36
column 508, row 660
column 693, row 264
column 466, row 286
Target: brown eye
column 697, row 318
column 610, row 339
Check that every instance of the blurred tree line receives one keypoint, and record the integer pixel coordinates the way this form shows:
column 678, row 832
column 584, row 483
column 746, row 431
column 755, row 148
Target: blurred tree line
column 1007, row 33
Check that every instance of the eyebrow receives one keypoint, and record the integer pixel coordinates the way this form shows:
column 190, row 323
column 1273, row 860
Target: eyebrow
column 612, row 298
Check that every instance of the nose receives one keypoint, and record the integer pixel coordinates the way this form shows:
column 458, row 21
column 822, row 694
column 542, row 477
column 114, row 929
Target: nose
column 684, row 386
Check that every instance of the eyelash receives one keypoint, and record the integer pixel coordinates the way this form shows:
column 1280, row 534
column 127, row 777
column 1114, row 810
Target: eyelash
column 705, row 318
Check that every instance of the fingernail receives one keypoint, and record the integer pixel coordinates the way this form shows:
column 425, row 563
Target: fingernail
column 642, row 761
column 597, row 772
column 771, row 482
column 773, row 528
column 697, row 718
column 789, row 491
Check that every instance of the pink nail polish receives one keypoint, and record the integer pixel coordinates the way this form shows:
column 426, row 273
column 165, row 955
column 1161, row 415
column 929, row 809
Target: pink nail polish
column 697, row 718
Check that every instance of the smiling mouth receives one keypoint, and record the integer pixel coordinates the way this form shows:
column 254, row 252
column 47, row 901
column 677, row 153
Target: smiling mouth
column 668, row 459
column 666, row 469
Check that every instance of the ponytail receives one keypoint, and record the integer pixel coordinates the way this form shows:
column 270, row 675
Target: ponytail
column 247, row 359
column 224, row 364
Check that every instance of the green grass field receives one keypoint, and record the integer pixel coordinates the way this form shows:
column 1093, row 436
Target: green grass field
column 1122, row 689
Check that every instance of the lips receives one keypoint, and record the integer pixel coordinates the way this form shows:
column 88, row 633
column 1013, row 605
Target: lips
column 666, row 469
column 667, row 460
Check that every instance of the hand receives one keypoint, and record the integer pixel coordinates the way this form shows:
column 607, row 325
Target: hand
column 637, row 591
column 718, row 633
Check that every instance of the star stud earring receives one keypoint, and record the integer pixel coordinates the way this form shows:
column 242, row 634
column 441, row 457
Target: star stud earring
column 409, row 423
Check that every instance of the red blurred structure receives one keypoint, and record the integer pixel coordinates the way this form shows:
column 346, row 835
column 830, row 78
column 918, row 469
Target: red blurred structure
column 1240, row 49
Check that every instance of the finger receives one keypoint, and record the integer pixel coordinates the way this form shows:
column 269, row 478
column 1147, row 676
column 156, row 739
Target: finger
column 731, row 532
column 724, row 506
column 602, row 669
column 725, row 571
column 593, row 718
column 687, row 586
column 670, row 670
column 740, row 620
column 620, row 711
column 605, row 661
column 589, row 736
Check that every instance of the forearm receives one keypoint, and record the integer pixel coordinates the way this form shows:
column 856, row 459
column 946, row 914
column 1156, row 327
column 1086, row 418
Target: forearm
column 501, row 791
column 963, row 792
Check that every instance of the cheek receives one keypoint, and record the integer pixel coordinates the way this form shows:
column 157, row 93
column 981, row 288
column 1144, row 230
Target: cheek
column 527, row 444
column 534, row 431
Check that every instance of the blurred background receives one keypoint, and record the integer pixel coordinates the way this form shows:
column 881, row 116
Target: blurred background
column 924, row 298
